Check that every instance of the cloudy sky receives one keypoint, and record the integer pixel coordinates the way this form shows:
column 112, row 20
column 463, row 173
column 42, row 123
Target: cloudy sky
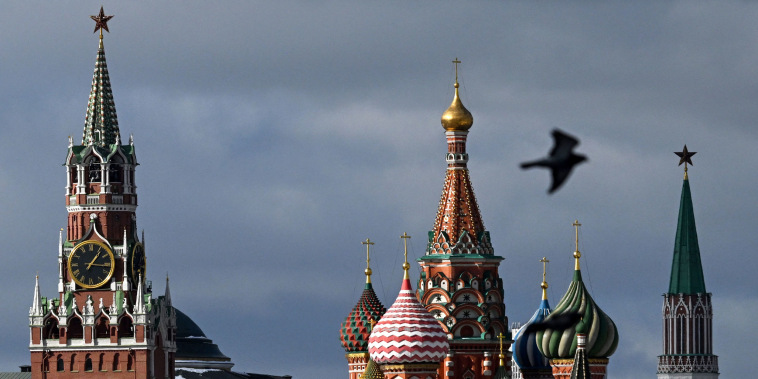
column 274, row 137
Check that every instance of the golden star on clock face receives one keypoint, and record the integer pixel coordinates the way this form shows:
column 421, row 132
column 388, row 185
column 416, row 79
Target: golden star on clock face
column 91, row 264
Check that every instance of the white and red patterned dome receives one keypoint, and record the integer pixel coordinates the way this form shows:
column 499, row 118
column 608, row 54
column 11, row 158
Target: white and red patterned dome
column 407, row 333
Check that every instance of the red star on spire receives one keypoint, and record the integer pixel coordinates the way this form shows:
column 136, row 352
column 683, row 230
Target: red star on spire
column 101, row 21
column 685, row 156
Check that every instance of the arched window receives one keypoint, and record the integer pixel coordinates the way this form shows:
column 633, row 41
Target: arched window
column 88, row 363
column 130, row 362
column 51, row 329
column 115, row 362
column 59, row 366
column 101, row 330
column 115, row 171
column 94, row 171
column 125, row 327
column 101, row 362
column 74, row 366
column 75, row 329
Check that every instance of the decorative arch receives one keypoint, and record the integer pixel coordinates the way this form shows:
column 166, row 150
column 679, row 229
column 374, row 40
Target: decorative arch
column 51, row 330
column 126, row 327
column 469, row 327
column 101, row 327
column 468, row 295
column 116, row 366
column 75, row 327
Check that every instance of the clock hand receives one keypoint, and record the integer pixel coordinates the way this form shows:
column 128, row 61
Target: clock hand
column 93, row 260
column 99, row 264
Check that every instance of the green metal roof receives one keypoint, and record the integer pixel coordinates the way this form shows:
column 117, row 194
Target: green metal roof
column 686, row 270
column 101, row 122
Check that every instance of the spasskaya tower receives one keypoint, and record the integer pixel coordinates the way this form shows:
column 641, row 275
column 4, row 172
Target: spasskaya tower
column 104, row 319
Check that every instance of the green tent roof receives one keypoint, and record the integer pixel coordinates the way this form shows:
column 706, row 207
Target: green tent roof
column 686, row 270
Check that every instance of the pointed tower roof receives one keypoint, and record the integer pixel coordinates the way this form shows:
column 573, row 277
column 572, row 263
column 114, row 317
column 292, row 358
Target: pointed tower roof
column 525, row 351
column 686, row 269
column 356, row 328
column 408, row 333
column 458, row 227
column 36, row 308
column 561, row 341
column 101, row 122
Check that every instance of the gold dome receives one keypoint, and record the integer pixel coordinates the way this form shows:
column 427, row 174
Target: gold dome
column 457, row 118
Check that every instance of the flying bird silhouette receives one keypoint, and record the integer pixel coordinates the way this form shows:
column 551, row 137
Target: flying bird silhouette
column 561, row 159
column 560, row 321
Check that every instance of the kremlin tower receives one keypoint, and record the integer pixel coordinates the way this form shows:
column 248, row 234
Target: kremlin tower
column 104, row 319
column 459, row 283
column 408, row 342
column 687, row 309
column 560, row 342
column 355, row 331
column 530, row 363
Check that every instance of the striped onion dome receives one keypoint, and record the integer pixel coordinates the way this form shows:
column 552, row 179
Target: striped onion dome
column 408, row 333
column 525, row 351
column 356, row 328
column 602, row 335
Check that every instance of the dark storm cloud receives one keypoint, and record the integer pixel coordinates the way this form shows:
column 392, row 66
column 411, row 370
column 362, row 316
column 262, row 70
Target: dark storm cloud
column 274, row 137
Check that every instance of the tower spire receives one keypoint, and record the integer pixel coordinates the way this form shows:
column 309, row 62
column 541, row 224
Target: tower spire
column 101, row 122
column 687, row 269
column 36, row 308
column 687, row 308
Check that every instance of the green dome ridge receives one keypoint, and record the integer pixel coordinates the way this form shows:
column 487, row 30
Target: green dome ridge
column 601, row 331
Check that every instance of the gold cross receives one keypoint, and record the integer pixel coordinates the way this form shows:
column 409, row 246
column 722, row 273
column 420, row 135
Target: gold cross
column 544, row 261
column 406, row 266
column 577, row 254
column 372, row 323
column 456, row 62
column 368, row 244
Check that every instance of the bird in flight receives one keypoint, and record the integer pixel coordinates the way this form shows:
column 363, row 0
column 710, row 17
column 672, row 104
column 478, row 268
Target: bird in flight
column 561, row 159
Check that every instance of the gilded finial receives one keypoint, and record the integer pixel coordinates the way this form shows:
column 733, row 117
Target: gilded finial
column 368, row 244
column 685, row 157
column 501, row 337
column 577, row 254
column 544, row 261
column 406, row 266
column 457, row 118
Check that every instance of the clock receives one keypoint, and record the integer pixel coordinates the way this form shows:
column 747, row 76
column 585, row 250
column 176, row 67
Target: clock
column 91, row 264
column 139, row 263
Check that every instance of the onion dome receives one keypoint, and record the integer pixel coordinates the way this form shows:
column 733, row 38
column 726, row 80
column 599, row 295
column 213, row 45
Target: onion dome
column 561, row 341
column 372, row 371
column 357, row 326
column 408, row 333
column 526, row 353
column 457, row 118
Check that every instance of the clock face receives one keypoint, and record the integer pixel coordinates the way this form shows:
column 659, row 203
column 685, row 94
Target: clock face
column 139, row 263
column 91, row 264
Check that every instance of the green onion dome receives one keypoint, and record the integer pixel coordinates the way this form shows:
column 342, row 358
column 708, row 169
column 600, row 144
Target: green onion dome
column 357, row 326
column 561, row 342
